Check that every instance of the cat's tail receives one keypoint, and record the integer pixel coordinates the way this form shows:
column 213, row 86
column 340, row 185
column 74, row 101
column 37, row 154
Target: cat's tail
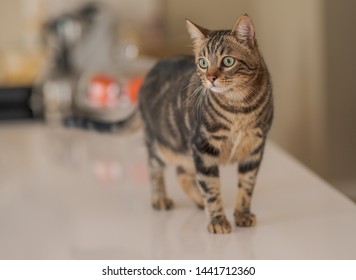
column 132, row 123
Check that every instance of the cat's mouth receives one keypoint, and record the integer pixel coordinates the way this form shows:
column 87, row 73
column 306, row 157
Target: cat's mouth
column 216, row 87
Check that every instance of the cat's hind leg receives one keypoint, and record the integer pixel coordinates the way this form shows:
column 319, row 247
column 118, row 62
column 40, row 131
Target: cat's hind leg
column 160, row 200
column 189, row 184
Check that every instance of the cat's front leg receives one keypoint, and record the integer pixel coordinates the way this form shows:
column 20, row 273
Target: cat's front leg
column 247, row 174
column 209, row 183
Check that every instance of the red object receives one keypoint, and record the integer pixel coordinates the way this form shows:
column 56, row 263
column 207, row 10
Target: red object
column 134, row 86
column 103, row 91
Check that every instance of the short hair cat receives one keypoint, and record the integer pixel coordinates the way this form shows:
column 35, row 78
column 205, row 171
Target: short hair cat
column 205, row 111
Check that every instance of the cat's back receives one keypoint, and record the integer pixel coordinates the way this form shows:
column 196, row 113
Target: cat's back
column 167, row 78
column 172, row 66
column 160, row 101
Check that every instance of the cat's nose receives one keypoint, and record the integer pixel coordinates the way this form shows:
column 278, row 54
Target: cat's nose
column 211, row 78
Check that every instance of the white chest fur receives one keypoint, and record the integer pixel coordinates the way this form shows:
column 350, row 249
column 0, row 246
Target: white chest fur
column 239, row 145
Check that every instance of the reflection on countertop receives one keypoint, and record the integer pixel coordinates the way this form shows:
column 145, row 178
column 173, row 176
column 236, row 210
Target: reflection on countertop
column 73, row 194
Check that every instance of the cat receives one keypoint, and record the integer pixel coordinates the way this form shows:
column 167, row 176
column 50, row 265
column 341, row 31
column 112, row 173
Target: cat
column 204, row 111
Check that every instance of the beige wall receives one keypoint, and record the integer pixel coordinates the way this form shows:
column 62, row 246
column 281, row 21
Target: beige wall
column 292, row 40
column 340, row 44
column 10, row 24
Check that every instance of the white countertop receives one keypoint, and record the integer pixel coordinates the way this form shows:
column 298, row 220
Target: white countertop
column 72, row 194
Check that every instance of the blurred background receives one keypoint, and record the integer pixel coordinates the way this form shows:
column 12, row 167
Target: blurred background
column 57, row 56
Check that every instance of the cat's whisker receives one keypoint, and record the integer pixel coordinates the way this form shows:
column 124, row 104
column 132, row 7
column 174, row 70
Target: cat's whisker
column 199, row 103
column 191, row 97
column 191, row 84
column 196, row 92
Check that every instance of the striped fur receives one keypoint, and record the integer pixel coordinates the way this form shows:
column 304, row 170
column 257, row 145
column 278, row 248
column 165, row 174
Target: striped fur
column 199, row 125
column 200, row 114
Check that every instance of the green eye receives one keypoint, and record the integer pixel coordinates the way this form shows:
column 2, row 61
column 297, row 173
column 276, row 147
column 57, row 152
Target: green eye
column 228, row 61
column 203, row 63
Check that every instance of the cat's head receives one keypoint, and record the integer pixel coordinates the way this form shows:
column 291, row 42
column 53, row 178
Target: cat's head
column 225, row 59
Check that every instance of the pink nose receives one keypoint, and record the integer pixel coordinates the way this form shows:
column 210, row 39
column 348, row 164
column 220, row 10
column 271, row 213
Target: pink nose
column 211, row 78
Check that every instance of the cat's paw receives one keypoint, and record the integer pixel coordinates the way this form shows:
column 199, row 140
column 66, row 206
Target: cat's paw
column 219, row 226
column 162, row 203
column 245, row 219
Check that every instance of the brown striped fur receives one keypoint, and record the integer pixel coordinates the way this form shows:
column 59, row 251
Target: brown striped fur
column 199, row 118
column 202, row 112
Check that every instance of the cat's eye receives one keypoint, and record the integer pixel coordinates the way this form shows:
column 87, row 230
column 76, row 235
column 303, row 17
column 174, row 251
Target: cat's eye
column 203, row 63
column 228, row 61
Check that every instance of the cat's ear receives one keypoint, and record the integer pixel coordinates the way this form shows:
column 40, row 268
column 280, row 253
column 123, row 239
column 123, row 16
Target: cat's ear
column 244, row 30
column 197, row 33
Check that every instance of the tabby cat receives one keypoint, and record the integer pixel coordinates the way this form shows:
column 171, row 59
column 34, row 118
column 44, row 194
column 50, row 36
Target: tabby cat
column 203, row 112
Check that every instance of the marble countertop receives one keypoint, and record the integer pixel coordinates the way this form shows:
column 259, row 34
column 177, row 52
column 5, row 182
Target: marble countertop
column 72, row 194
